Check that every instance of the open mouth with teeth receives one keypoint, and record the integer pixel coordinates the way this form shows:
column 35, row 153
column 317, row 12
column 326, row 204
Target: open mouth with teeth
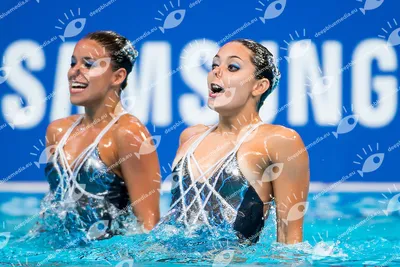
column 216, row 90
column 77, row 87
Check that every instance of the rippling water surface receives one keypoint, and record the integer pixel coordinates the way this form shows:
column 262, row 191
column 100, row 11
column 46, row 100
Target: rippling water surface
column 340, row 230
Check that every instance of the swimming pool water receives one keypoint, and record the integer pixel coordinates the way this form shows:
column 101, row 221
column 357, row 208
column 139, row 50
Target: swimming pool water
column 340, row 229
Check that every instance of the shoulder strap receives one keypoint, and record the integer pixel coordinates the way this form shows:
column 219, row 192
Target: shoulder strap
column 70, row 176
column 190, row 153
column 59, row 148
column 86, row 153
column 69, row 131
column 196, row 143
column 249, row 131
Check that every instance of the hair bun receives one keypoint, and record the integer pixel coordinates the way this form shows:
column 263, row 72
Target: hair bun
column 263, row 61
column 275, row 71
column 129, row 51
column 120, row 49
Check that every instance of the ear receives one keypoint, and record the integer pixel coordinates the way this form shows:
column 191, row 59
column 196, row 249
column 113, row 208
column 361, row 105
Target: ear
column 119, row 76
column 261, row 87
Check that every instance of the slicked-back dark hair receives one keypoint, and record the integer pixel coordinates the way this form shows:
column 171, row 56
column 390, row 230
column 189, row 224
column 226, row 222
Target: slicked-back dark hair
column 122, row 53
column 263, row 61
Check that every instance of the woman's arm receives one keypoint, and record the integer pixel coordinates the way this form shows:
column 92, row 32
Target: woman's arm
column 140, row 170
column 290, row 188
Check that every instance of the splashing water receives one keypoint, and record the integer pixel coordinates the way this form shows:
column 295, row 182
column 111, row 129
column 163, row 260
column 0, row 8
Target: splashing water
column 338, row 229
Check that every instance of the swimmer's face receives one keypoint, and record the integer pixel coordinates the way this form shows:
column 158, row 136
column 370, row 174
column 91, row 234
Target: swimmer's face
column 91, row 77
column 231, row 82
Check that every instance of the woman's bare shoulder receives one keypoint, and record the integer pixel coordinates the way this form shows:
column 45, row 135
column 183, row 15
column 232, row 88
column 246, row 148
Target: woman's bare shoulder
column 57, row 128
column 185, row 140
column 276, row 129
column 129, row 129
column 273, row 135
column 129, row 120
column 192, row 131
column 128, row 124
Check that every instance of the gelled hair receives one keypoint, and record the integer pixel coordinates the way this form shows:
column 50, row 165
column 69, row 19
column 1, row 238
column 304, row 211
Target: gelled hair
column 122, row 52
column 263, row 61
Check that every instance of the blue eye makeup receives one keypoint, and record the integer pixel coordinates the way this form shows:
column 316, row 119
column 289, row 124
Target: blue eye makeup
column 89, row 63
column 233, row 67
column 73, row 62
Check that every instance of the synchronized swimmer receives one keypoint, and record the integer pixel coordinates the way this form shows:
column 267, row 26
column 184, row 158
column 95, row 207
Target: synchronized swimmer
column 85, row 146
column 232, row 187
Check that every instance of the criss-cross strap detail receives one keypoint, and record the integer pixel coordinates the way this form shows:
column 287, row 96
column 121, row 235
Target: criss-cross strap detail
column 68, row 178
column 218, row 167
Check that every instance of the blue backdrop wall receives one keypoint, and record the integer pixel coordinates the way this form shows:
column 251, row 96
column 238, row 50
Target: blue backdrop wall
column 339, row 63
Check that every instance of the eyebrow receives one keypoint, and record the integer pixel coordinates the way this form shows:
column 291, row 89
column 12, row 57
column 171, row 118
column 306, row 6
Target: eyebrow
column 89, row 58
column 84, row 58
column 217, row 56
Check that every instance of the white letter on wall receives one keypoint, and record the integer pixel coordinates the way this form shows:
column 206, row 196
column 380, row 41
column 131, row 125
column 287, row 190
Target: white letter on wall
column 326, row 98
column 150, row 86
column 195, row 76
column 385, row 86
column 25, row 84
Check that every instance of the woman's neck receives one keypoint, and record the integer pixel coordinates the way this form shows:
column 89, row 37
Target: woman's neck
column 235, row 122
column 101, row 112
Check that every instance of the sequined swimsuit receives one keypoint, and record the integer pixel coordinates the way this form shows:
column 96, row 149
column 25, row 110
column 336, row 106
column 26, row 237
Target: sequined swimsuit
column 88, row 196
column 225, row 199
